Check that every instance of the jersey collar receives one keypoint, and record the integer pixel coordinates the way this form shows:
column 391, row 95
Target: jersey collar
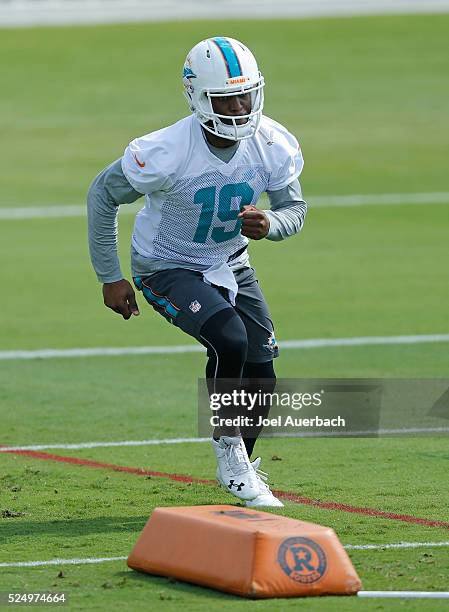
column 213, row 159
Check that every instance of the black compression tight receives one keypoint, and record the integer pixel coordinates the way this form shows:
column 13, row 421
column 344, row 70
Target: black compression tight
column 257, row 377
column 224, row 336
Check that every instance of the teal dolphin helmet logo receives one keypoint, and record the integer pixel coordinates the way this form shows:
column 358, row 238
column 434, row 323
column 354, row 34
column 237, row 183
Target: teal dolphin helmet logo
column 188, row 73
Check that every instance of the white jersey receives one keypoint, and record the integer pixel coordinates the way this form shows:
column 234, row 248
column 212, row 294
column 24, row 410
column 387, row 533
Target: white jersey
column 192, row 198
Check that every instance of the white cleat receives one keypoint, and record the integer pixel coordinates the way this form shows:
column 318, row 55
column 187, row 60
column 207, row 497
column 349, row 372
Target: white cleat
column 235, row 472
column 265, row 497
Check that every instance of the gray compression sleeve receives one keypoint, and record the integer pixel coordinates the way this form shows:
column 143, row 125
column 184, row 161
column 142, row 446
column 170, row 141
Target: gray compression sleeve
column 109, row 189
column 287, row 211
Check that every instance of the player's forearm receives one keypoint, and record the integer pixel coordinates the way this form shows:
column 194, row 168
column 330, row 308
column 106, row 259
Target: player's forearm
column 109, row 189
column 287, row 213
column 102, row 224
column 286, row 223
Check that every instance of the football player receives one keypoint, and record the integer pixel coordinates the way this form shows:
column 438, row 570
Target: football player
column 201, row 178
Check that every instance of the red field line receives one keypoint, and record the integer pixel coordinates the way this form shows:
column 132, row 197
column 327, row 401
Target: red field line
column 287, row 495
column 109, row 466
column 406, row 518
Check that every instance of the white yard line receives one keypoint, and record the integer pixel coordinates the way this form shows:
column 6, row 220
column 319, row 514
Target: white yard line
column 319, row 201
column 311, row 343
column 39, row 212
column 90, row 560
column 62, row 562
column 405, row 594
column 56, row 12
column 365, row 432
column 398, row 545
column 100, row 352
column 153, row 442
column 81, row 445
column 378, row 198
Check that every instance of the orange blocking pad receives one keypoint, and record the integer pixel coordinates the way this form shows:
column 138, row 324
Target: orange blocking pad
column 245, row 552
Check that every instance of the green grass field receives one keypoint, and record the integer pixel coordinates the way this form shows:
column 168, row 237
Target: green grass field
column 367, row 98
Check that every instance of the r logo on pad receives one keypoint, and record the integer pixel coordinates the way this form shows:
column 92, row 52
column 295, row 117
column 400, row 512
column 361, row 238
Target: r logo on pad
column 303, row 560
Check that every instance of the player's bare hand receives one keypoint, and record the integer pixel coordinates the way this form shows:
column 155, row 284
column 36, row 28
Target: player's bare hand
column 255, row 223
column 120, row 297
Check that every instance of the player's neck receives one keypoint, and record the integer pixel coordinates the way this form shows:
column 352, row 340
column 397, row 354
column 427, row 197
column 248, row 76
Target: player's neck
column 216, row 141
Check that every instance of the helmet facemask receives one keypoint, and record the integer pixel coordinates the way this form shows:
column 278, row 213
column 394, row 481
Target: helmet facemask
column 226, row 126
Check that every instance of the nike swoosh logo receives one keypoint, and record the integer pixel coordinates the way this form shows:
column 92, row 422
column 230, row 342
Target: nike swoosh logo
column 139, row 163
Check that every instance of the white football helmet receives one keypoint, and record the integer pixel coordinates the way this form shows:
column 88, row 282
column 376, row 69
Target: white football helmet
column 218, row 67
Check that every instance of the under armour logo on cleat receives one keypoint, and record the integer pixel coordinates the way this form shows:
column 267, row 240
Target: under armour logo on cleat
column 237, row 486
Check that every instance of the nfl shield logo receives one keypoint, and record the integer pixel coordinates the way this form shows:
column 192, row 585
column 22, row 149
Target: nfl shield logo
column 195, row 306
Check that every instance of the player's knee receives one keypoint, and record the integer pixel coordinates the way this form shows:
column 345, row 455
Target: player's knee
column 226, row 334
column 234, row 344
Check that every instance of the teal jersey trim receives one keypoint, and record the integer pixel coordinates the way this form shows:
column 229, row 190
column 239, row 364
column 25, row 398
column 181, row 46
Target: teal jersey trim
column 153, row 298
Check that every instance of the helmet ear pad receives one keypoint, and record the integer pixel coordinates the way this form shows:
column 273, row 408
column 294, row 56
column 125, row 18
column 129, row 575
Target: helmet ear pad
column 221, row 67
